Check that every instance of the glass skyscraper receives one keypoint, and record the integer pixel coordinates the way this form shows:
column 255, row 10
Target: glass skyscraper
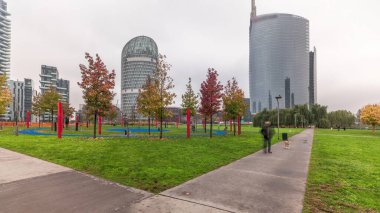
column 5, row 38
column 313, row 77
column 278, row 61
column 138, row 61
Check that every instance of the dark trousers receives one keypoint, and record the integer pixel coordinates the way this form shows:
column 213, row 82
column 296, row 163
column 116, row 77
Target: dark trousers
column 267, row 144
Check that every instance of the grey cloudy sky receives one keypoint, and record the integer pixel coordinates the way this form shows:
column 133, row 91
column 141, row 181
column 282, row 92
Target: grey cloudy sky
column 196, row 35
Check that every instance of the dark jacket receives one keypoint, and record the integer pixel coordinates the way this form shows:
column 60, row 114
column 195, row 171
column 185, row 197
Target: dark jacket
column 267, row 132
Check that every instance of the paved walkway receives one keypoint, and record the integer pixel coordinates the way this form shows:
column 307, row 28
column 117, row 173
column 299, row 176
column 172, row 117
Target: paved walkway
column 257, row 183
column 31, row 185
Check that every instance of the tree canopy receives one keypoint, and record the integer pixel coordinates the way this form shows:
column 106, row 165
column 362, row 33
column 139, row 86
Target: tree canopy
column 97, row 85
column 164, row 86
column 370, row 115
column 233, row 100
column 211, row 95
column 5, row 94
column 189, row 100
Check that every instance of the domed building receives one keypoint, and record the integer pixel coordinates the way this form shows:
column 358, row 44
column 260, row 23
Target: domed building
column 138, row 61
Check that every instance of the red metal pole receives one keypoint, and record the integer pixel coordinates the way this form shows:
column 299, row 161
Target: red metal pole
column 239, row 125
column 100, row 125
column 27, row 119
column 188, row 122
column 59, row 120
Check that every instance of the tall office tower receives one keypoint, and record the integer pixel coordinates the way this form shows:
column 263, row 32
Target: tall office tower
column 313, row 77
column 17, row 108
column 247, row 114
column 28, row 95
column 50, row 78
column 278, row 60
column 5, row 38
column 138, row 61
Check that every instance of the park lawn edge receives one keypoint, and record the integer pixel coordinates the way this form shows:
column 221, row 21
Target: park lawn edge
column 196, row 174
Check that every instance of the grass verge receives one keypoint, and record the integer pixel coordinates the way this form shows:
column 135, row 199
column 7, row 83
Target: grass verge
column 344, row 172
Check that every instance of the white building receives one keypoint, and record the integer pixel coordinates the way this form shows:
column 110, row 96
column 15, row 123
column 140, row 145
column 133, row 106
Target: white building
column 138, row 61
column 5, row 38
column 17, row 107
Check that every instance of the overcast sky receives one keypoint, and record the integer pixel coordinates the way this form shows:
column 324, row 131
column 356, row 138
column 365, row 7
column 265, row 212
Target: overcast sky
column 195, row 35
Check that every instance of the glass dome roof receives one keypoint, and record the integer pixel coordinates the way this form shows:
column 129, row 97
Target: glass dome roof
column 141, row 46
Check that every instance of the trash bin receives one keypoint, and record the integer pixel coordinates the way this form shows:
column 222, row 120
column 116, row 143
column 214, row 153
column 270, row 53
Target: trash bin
column 284, row 136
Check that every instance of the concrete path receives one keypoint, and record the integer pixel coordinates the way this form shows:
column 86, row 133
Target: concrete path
column 31, row 185
column 257, row 183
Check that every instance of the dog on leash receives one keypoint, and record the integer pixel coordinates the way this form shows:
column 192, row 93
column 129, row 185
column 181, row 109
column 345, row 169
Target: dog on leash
column 286, row 144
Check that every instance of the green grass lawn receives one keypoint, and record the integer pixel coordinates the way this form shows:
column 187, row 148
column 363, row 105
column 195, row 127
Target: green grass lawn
column 145, row 163
column 344, row 172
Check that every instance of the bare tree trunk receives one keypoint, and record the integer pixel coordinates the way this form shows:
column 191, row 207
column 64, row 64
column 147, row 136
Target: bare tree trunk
column 149, row 124
column 234, row 127
column 51, row 119
column 205, row 124
column 161, row 119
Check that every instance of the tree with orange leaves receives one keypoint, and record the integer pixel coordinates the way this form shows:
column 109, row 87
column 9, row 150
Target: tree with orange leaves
column 233, row 100
column 370, row 115
column 97, row 85
column 5, row 94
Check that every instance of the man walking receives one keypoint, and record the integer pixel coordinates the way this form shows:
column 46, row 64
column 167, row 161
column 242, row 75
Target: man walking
column 267, row 133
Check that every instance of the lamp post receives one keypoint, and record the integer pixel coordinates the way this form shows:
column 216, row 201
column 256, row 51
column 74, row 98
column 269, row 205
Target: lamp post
column 278, row 116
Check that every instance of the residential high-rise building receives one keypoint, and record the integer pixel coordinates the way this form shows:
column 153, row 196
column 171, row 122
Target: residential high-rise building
column 17, row 108
column 28, row 95
column 5, row 38
column 63, row 88
column 50, row 78
column 278, row 60
column 22, row 99
column 138, row 61
column 313, row 77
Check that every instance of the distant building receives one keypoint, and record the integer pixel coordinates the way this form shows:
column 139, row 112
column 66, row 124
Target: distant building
column 49, row 77
column 313, row 77
column 29, row 92
column 138, row 61
column 176, row 115
column 22, row 98
column 63, row 88
column 279, row 61
column 17, row 108
column 247, row 117
column 5, row 38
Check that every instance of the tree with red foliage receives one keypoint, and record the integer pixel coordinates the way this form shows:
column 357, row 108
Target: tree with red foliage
column 211, row 96
column 97, row 85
